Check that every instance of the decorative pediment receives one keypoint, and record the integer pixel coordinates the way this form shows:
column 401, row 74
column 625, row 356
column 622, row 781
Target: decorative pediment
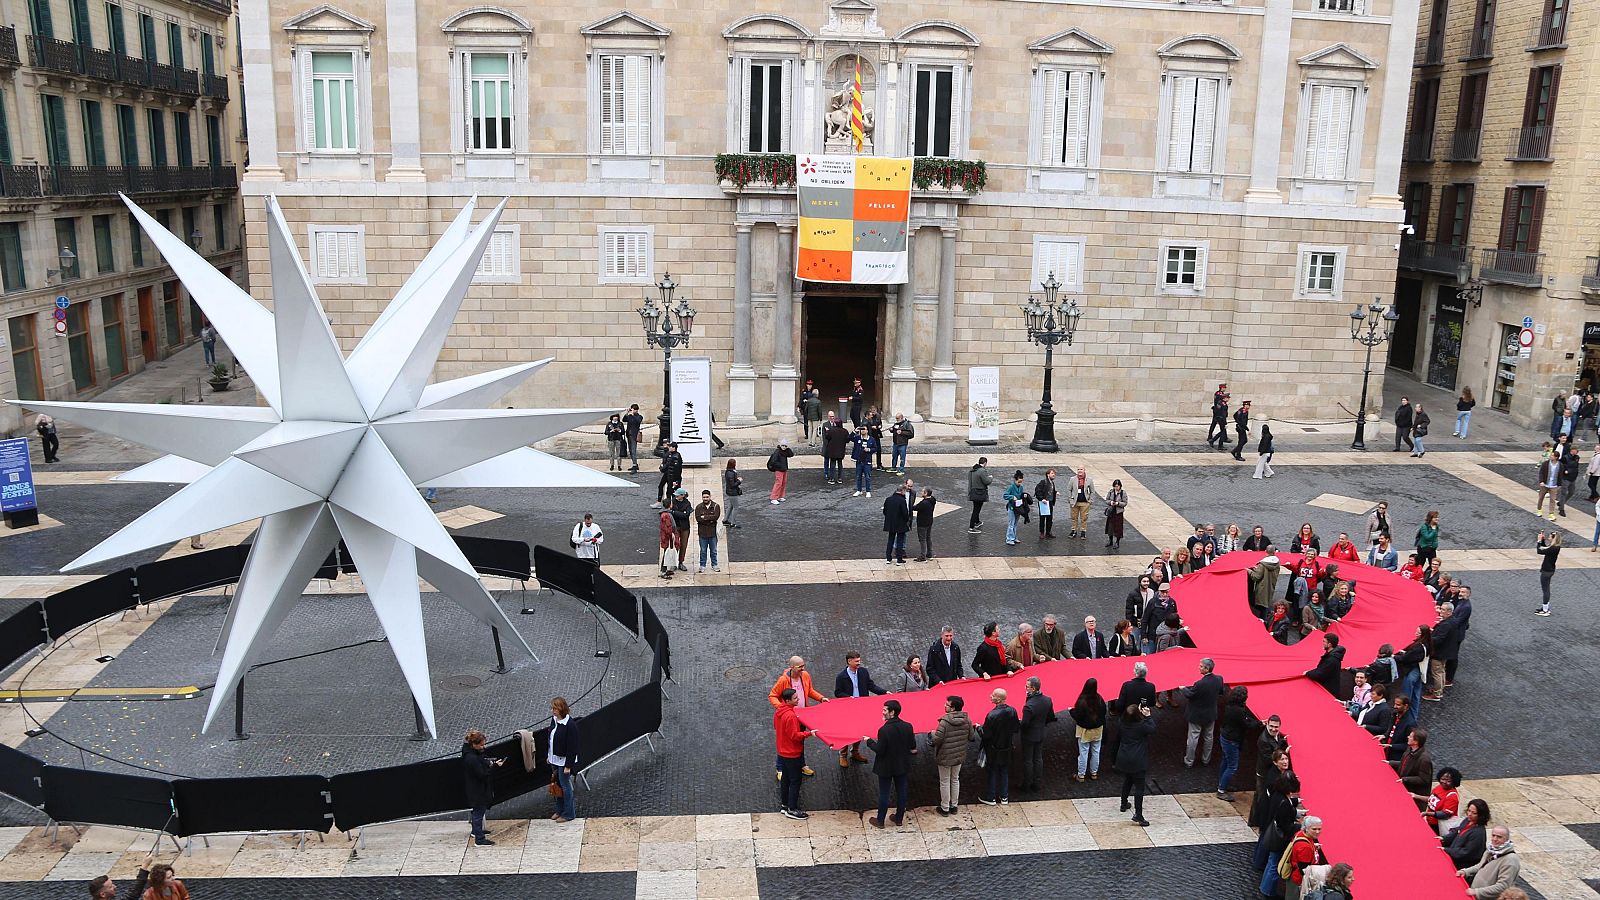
column 625, row 24
column 852, row 19
column 1338, row 56
column 1073, row 40
column 766, row 27
column 481, row 19
column 1205, row 47
column 938, row 31
column 328, row 20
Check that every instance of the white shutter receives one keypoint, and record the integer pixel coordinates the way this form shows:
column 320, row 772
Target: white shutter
column 467, row 88
column 1316, row 124
column 1205, row 123
column 636, row 104
column 308, row 115
column 1075, row 145
column 1200, row 268
column 1336, row 151
column 958, row 90
column 608, row 105
column 786, row 92
column 1055, row 98
column 350, row 253
column 745, row 97
column 1059, row 257
column 1180, row 136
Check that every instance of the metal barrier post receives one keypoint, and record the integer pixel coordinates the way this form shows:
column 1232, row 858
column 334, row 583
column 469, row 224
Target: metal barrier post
column 499, row 654
column 239, row 733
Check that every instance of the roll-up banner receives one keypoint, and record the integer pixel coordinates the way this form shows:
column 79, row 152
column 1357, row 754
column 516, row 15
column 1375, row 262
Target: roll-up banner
column 691, row 408
column 983, row 405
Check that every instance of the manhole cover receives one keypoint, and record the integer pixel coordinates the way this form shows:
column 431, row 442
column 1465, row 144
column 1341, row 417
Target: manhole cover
column 458, row 683
column 745, row 674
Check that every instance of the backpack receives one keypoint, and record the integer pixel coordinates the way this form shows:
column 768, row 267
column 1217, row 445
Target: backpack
column 772, row 462
column 1286, row 861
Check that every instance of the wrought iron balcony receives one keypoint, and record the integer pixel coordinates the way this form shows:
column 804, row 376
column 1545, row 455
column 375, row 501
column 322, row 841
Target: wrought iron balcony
column 8, row 47
column 131, row 70
column 1419, row 146
column 1431, row 256
column 53, row 55
column 1517, row 267
column 22, row 182
column 1532, row 144
column 70, row 58
column 101, row 64
column 215, row 86
column 1591, row 273
column 1464, row 144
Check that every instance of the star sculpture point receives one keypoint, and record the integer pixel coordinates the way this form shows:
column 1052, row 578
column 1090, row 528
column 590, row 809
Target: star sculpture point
column 339, row 450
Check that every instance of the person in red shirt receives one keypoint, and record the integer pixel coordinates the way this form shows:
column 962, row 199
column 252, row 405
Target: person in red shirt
column 1411, row 570
column 1305, row 850
column 1343, row 550
column 1444, row 803
column 1307, row 574
column 791, row 739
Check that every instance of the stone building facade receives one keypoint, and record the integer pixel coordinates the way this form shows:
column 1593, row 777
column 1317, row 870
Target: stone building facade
column 1215, row 183
column 98, row 98
column 1502, row 204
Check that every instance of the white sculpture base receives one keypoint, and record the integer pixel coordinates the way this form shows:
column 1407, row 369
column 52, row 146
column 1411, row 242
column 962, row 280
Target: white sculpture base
column 944, row 383
column 741, row 396
column 902, row 394
column 784, row 396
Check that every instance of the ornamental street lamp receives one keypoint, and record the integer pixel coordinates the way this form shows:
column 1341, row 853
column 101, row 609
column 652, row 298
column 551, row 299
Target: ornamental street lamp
column 1049, row 323
column 1369, row 337
column 1469, row 291
column 660, row 332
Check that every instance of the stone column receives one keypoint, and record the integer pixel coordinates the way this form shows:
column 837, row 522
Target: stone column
column 405, row 128
column 784, row 375
column 902, row 375
column 944, row 352
column 1267, row 146
column 741, row 377
column 1396, row 98
column 257, row 86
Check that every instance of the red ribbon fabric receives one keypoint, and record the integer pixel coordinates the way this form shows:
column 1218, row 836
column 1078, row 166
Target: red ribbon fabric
column 1369, row 819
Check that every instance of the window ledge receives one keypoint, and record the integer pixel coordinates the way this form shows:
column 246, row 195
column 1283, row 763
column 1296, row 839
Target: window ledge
column 1479, row 57
column 1531, row 159
column 1537, row 48
column 1179, row 291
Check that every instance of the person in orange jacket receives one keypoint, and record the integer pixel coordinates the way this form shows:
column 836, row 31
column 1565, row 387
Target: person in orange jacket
column 796, row 677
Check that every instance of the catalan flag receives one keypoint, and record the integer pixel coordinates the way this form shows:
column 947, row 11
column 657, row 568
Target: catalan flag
column 858, row 129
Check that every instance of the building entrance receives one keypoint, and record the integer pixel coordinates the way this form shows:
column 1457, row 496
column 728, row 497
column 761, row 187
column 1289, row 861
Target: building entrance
column 841, row 342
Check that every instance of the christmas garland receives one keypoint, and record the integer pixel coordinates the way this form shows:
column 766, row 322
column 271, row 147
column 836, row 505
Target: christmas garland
column 971, row 175
column 778, row 170
column 741, row 169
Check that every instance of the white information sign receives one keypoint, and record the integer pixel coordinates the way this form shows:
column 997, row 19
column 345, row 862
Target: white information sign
column 983, row 405
column 691, row 408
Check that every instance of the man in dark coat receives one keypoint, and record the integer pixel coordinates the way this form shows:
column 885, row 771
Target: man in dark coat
column 671, row 473
column 1218, row 432
column 943, row 662
column 998, row 735
column 1201, row 713
column 1241, row 429
column 1038, row 711
column 1088, row 643
column 476, row 768
column 895, row 746
column 1378, row 718
column 854, row 681
column 1402, row 424
column 896, row 522
column 632, row 422
column 1416, row 767
column 834, row 439
column 858, row 399
column 1330, row 666
column 1134, row 691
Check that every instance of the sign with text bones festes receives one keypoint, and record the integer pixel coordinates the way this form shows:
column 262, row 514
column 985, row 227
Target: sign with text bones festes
column 854, row 219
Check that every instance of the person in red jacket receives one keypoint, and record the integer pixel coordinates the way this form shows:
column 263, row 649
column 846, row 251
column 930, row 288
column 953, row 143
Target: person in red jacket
column 1343, row 550
column 1304, row 850
column 1411, row 570
column 791, row 738
column 1307, row 575
column 796, row 677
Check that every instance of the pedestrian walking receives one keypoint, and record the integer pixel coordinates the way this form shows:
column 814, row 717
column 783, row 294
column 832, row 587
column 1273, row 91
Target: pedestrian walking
column 978, row 481
column 791, row 740
column 895, row 745
column 778, row 465
column 563, row 759
column 632, row 422
column 616, row 442
column 1402, row 425
column 858, row 398
column 1046, row 494
column 476, row 767
column 1218, row 432
column 1116, row 508
column 671, row 473
column 1549, row 547
column 1594, row 475
column 810, row 409
column 1571, row 462
column 998, row 735
column 1558, row 411
column 1016, row 500
column 862, row 447
column 950, row 740
column 706, row 517
column 1428, row 538
column 1038, row 712
column 1080, row 490
column 1419, row 430
column 924, row 509
column 1464, row 405
column 1264, row 453
column 732, row 490
column 1549, row 487
column 586, row 539
column 1241, row 429
column 1089, row 720
column 835, row 440
column 896, row 522
column 48, row 440
column 1133, row 755
column 208, row 344
column 900, row 435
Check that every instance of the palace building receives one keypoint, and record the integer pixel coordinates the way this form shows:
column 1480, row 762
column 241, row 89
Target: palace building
column 1215, row 183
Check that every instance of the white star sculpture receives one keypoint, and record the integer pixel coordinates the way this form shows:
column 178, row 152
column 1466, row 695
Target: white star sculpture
column 341, row 451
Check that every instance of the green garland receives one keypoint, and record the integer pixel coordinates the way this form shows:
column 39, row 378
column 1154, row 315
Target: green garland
column 778, row 170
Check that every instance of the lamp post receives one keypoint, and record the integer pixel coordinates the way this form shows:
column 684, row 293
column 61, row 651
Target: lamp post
column 69, row 265
column 1369, row 337
column 660, row 332
column 1049, row 324
column 195, row 239
column 1469, row 291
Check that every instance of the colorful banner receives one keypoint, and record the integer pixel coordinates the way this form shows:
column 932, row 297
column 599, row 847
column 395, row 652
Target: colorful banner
column 855, row 214
column 983, row 405
column 691, row 408
column 16, row 476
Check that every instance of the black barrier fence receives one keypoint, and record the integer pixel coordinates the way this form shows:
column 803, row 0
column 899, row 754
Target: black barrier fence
column 185, row 806
column 567, row 574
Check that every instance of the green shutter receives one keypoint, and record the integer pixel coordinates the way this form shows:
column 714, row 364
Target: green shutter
column 39, row 18
column 55, row 130
column 94, row 139
column 5, row 133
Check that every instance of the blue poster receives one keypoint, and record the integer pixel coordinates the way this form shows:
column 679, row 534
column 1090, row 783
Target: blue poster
column 16, row 476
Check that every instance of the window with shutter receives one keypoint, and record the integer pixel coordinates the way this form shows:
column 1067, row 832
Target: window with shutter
column 1058, row 256
column 57, row 150
column 933, row 123
column 501, row 262
column 1419, row 197
column 1320, row 273
column 627, row 254
column 486, row 78
column 636, row 96
column 1183, row 268
column 156, row 121
column 1067, row 95
column 1328, row 126
column 338, row 254
column 625, row 105
column 1192, row 124
column 763, row 99
column 329, row 101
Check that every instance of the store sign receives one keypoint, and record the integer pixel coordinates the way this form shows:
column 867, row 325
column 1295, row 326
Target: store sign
column 1591, row 332
column 691, row 408
column 16, row 476
column 983, row 405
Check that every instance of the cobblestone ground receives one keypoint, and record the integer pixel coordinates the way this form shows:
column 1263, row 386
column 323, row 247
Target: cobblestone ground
column 585, row 886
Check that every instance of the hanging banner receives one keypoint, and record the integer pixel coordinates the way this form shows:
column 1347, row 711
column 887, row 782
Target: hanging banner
column 983, row 405
column 855, row 213
column 16, row 476
column 691, row 408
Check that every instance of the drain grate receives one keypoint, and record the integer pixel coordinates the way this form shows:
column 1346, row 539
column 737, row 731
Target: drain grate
column 459, row 683
column 745, row 674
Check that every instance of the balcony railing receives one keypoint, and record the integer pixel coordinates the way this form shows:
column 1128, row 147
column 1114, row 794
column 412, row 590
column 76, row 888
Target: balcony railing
column 1431, row 256
column 93, row 181
column 1464, row 144
column 1354, row 7
column 70, row 58
column 776, row 171
column 1532, row 143
column 1517, row 267
column 101, row 64
column 131, row 70
column 1591, row 273
column 1433, row 54
column 54, row 55
column 1482, row 43
column 8, row 47
column 215, row 86
column 1419, row 146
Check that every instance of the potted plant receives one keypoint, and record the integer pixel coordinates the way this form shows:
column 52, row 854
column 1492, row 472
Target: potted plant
column 219, row 377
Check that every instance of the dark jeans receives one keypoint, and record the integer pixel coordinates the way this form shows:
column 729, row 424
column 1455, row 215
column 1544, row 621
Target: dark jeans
column 1000, row 777
column 1032, row 763
column 896, row 548
column 477, row 817
column 567, row 806
column 1134, row 783
column 899, row 783
column 633, row 449
column 1218, row 432
column 664, row 489
column 864, row 476
column 789, row 785
column 977, row 507
column 1230, row 763
column 1402, row 433
column 925, row 541
column 1242, row 437
column 1450, row 670
column 52, row 446
column 1047, row 525
column 1544, row 586
column 1424, row 554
